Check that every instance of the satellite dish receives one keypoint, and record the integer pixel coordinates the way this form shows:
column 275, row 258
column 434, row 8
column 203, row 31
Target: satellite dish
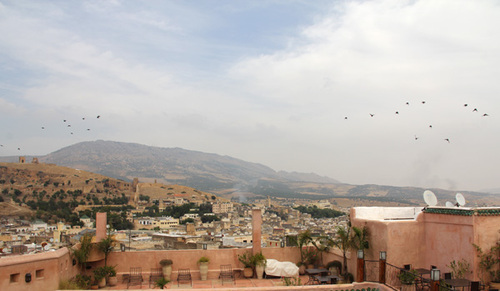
column 449, row 204
column 51, row 240
column 460, row 199
column 430, row 198
column 46, row 247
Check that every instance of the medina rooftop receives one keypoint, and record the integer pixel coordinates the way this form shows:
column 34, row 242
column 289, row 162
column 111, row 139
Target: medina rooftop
column 427, row 248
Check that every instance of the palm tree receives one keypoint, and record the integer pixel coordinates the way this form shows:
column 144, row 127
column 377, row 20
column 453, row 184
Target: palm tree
column 343, row 241
column 106, row 246
column 322, row 245
column 303, row 239
column 360, row 238
column 82, row 254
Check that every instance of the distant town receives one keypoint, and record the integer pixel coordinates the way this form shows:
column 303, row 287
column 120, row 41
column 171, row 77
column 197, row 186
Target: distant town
column 152, row 216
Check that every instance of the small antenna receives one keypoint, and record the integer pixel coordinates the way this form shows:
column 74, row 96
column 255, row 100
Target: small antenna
column 460, row 199
column 449, row 204
column 430, row 198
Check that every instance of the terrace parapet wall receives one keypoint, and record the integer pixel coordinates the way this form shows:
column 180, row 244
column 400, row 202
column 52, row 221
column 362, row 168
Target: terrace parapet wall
column 432, row 236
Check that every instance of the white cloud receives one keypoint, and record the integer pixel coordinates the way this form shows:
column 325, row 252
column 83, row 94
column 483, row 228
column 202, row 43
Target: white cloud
column 155, row 71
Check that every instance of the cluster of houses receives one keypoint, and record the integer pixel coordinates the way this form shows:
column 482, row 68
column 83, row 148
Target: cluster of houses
column 234, row 229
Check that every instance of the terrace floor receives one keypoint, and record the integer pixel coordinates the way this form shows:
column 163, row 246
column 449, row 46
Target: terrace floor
column 251, row 283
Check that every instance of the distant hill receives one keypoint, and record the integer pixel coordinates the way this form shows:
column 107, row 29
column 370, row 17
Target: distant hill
column 168, row 165
column 226, row 176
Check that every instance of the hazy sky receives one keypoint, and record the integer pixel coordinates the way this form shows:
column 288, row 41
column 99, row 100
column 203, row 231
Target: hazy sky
column 270, row 82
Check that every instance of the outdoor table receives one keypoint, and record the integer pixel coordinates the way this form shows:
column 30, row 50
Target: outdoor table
column 319, row 276
column 458, row 283
column 317, row 271
column 423, row 271
column 329, row 279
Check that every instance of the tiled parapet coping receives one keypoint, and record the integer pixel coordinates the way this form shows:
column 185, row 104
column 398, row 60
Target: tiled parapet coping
column 463, row 212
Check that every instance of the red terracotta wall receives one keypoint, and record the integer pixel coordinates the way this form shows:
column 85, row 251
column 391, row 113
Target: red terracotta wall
column 189, row 258
column 46, row 270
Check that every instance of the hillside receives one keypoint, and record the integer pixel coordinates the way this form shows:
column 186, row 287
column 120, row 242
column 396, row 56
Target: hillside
column 226, row 176
column 26, row 188
column 170, row 165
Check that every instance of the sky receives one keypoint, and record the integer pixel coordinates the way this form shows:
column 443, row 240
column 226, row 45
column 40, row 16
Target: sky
column 290, row 84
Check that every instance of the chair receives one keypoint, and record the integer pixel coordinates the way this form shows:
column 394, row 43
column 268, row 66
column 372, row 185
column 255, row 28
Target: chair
column 184, row 275
column 154, row 275
column 226, row 272
column 135, row 277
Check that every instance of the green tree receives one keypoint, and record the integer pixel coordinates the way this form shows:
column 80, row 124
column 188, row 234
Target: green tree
column 82, row 254
column 360, row 238
column 106, row 246
column 343, row 241
column 301, row 241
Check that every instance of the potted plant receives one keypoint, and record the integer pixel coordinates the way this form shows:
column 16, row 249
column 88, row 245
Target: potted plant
column 111, row 275
column 487, row 261
column 162, row 282
column 203, row 262
column 459, row 269
column 334, row 267
column 166, row 265
column 82, row 253
column 83, row 281
column 302, row 268
column 247, row 261
column 495, row 279
column 301, row 241
column 310, row 256
column 100, row 274
column 260, row 264
column 106, row 246
column 407, row 279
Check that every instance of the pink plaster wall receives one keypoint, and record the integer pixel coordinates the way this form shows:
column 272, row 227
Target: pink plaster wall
column 51, row 266
column 100, row 226
column 256, row 230
column 431, row 239
column 188, row 259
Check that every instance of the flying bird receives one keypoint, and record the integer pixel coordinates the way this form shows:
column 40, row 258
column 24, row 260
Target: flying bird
column 447, row 139
column 43, row 127
column 397, row 112
column 372, row 114
column 465, row 105
column 416, row 137
column 83, row 118
column 475, row 110
column 345, row 117
column 430, row 126
column 69, row 125
column 88, row 128
column 18, row 149
column 64, row 120
column 98, row 116
column 423, row 102
column 407, row 103
column 485, row 114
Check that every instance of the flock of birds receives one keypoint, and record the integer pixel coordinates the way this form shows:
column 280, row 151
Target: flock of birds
column 372, row 115
column 447, row 139
column 68, row 126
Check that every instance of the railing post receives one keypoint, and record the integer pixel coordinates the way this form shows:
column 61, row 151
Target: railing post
column 360, row 276
column 435, row 275
column 382, row 267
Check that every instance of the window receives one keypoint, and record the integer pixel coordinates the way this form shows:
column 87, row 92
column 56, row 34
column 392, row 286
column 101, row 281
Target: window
column 40, row 273
column 14, row 278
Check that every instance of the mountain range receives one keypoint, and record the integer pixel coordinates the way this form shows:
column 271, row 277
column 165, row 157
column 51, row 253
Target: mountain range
column 223, row 175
